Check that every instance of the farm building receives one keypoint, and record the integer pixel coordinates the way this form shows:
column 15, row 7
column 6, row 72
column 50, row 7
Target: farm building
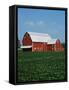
column 40, row 42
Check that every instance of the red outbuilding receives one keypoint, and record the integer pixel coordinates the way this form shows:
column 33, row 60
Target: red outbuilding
column 40, row 42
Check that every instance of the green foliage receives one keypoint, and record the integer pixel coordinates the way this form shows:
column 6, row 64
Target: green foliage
column 63, row 44
column 34, row 66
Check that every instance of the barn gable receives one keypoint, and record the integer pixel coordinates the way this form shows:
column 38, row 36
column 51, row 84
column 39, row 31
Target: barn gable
column 27, row 39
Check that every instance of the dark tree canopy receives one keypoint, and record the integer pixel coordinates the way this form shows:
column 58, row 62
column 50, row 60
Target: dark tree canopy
column 63, row 44
column 19, row 44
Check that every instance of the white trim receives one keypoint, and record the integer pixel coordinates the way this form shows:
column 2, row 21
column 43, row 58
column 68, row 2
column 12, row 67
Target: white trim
column 26, row 46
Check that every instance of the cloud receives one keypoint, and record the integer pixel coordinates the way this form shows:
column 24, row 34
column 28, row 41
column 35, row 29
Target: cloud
column 34, row 23
column 29, row 23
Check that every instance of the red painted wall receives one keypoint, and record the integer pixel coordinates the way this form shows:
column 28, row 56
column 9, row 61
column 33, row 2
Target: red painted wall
column 26, row 40
column 58, row 46
column 50, row 47
column 39, row 46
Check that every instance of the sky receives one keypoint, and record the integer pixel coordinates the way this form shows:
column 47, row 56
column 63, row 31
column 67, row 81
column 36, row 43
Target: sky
column 51, row 22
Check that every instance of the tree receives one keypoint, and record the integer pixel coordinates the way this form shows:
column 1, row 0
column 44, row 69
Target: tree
column 19, row 44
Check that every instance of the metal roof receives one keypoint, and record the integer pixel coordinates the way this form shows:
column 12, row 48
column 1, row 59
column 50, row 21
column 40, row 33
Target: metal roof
column 41, row 37
column 52, row 41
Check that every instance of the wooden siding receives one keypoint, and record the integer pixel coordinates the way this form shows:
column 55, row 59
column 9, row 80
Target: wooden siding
column 38, row 46
column 58, row 46
column 26, row 40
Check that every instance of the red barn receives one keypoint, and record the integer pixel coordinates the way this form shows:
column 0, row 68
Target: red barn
column 40, row 42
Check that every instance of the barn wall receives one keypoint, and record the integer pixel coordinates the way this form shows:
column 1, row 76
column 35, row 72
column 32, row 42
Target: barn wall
column 39, row 46
column 58, row 46
column 26, row 40
column 50, row 47
column 44, row 47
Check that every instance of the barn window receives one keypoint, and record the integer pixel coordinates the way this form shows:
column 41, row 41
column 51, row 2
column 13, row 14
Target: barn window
column 35, row 48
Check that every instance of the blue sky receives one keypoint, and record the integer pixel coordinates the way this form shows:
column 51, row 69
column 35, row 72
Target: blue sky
column 51, row 22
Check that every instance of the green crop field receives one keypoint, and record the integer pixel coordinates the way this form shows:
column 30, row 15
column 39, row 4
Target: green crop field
column 37, row 66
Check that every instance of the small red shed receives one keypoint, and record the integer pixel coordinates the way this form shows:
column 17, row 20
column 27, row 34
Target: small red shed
column 40, row 42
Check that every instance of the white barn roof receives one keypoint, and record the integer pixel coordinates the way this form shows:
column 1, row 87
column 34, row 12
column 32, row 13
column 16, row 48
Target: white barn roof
column 41, row 37
column 52, row 41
